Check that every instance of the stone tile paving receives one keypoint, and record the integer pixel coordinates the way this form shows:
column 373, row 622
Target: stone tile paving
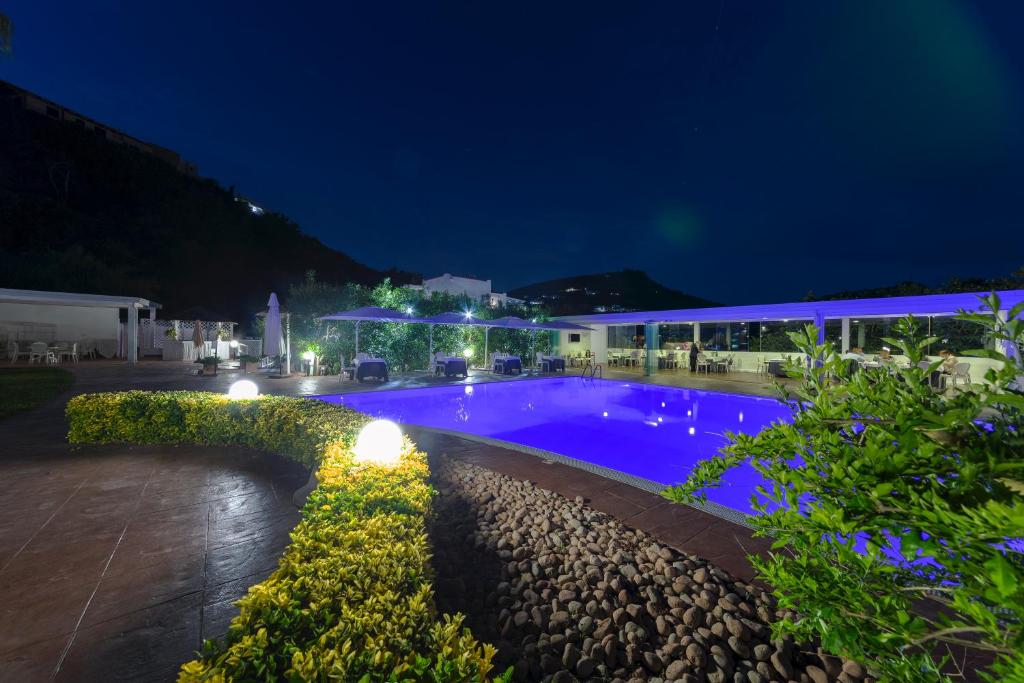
column 116, row 561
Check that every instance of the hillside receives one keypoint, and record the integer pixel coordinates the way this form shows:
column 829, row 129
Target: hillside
column 625, row 290
column 86, row 215
column 1014, row 280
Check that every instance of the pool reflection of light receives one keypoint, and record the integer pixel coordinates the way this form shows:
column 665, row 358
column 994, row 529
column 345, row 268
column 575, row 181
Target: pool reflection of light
column 469, row 391
column 741, row 416
column 693, row 431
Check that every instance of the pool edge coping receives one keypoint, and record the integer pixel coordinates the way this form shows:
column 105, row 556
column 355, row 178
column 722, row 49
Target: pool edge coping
column 710, row 507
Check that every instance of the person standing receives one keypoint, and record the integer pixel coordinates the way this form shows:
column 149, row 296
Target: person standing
column 694, row 352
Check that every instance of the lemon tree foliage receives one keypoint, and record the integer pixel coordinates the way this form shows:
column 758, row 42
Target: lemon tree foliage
column 897, row 511
column 351, row 599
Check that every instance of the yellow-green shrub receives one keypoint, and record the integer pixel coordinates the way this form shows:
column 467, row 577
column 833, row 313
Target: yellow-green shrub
column 351, row 599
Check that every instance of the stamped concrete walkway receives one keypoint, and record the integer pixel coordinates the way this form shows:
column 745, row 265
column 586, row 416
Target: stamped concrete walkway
column 116, row 561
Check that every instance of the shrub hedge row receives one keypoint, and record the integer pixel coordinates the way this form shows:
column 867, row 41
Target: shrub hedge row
column 351, row 599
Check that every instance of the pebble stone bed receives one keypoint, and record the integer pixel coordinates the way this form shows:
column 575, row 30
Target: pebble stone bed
column 567, row 593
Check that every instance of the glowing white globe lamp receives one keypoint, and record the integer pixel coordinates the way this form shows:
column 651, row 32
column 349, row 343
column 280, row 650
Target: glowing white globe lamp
column 234, row 343
column 308, row 356
column 467, row 352
column 243, row 389
column 380, row 443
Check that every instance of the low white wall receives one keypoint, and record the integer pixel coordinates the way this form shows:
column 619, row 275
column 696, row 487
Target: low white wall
column 70, row 323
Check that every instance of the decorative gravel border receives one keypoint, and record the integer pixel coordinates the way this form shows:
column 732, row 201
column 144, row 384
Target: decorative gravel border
column 710, row 507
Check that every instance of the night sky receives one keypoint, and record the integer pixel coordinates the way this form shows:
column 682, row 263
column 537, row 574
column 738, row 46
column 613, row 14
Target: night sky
column 741, row 151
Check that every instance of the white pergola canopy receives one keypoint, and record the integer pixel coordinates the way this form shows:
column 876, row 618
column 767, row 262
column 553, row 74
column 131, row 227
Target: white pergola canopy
column 130, row 303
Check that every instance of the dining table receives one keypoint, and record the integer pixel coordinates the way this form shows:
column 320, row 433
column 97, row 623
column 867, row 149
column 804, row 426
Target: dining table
column 508, row 365
column 453, row 365
column 776, row 367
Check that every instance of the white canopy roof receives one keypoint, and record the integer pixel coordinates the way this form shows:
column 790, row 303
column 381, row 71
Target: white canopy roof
column 30, row 296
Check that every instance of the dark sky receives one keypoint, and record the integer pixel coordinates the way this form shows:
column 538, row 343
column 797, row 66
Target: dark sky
column 742, row 151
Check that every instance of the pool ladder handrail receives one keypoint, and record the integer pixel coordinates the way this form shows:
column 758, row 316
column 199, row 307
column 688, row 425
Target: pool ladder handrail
column 595, row 370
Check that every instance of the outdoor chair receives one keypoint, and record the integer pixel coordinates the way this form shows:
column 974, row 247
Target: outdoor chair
column 13, row 351
column 634, row 359
column 962, row 371
column 703, row 362
column 542, row 363
column 437, row 363
column 38, row 352
column 71, row 353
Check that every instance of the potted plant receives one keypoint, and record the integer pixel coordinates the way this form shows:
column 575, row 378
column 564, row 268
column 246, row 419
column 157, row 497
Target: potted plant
column 249, row 363
column 171, row 333
column 209, row 364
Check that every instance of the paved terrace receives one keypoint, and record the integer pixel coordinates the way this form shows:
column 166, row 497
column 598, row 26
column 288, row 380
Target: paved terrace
column 117, row 561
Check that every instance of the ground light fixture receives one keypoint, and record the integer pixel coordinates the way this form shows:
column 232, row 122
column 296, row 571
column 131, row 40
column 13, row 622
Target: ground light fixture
column 379, row 442
column 243, row 389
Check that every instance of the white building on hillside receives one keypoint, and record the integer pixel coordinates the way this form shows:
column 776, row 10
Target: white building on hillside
column 477, row 290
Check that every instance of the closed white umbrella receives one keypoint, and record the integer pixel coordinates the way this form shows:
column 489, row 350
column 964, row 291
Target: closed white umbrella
column 272, row 329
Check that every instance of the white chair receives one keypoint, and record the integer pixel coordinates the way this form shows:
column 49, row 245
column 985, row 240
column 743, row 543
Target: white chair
column 13, row 351
column 542, row 363
column 703, row 362
column 37, row 352
column 962, row 371
column 437, row 363
column 634, row 359
column 69, row 353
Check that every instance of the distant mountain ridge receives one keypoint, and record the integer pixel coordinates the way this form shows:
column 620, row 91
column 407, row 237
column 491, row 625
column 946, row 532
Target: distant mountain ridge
column 624, row 290
column 83, row 214
column 1014, row 280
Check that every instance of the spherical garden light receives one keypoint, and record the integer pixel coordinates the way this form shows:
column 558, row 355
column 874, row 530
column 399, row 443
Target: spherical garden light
column 467, row 352
column 379, row 442
column 243, row 389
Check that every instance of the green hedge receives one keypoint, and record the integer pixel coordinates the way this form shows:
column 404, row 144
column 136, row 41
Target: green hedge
column 351, row 599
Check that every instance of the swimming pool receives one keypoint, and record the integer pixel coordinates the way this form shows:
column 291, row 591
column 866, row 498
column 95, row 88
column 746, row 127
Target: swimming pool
column 652, row 433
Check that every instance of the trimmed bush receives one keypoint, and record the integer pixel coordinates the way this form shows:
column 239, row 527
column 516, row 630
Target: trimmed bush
column 351, row 599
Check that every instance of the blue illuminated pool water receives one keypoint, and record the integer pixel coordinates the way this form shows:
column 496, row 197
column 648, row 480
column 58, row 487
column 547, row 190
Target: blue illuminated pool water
column 653, row 432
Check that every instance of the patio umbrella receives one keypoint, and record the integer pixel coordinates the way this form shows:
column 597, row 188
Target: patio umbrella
column 449, row 318
column 272, row 329
column 373, row 314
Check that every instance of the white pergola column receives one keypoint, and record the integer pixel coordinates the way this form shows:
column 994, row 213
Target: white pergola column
column 819, row 322
column 132, row 352
column 845, row 344
column 152, row 327
column 861, row 334
column 696, row 332
column 728, row 336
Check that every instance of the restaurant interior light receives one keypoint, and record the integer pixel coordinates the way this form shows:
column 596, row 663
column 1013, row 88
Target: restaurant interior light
column 243, row 389
column 379, row 442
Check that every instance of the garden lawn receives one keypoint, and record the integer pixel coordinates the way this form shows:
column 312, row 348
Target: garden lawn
column 26, row 388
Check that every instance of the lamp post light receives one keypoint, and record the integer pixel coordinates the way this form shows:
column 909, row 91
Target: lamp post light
column 467, row 354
